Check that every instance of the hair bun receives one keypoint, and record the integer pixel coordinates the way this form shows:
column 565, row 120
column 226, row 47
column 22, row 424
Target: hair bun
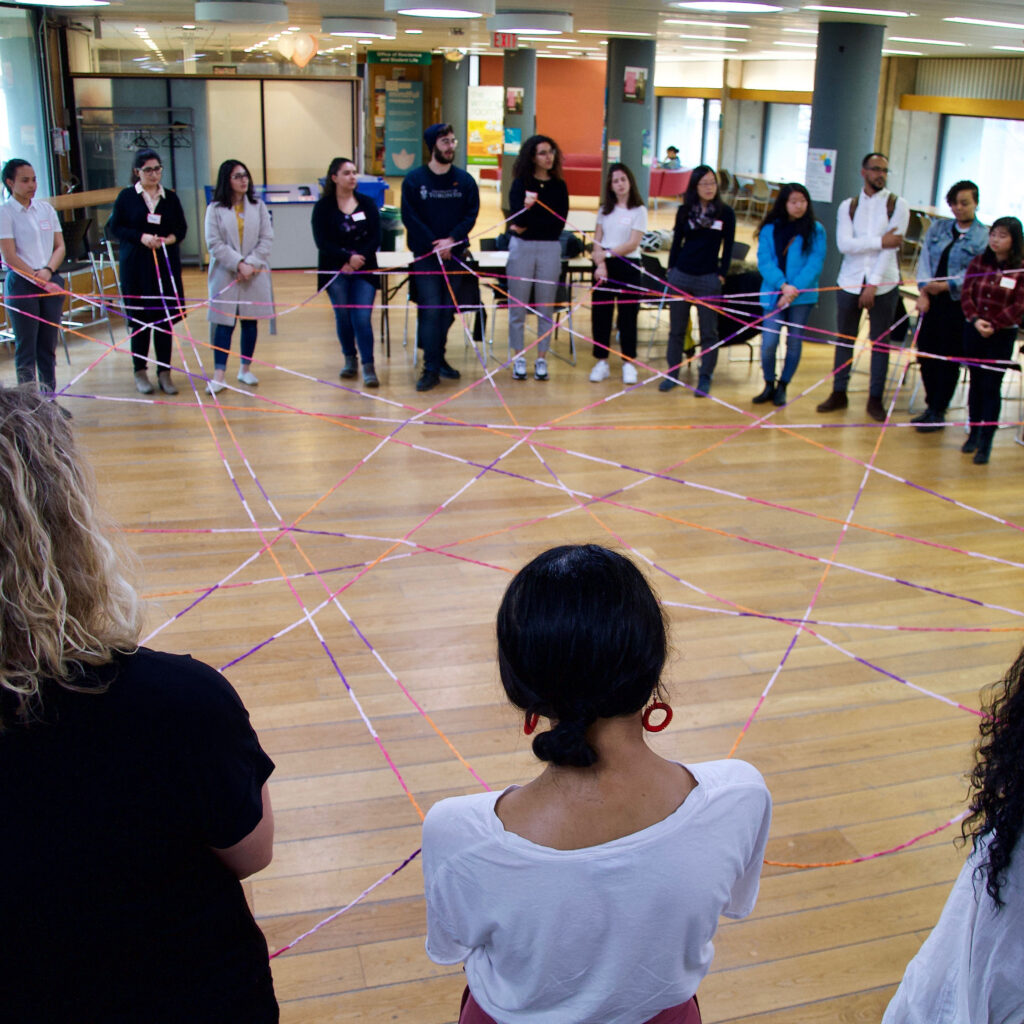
column 566, row 743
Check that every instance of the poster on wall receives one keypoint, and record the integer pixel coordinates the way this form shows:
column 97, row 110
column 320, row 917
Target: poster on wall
column 403, row 126
column 513, row 141
column 514, row 100
column 821, row 174
column 484, row 125
column 634, row 85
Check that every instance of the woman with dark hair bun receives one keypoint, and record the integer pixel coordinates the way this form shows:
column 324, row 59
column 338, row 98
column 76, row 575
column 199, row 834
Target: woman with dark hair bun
column 968, row 970
column 149, row 224
column 993, row 303
column 593, row 892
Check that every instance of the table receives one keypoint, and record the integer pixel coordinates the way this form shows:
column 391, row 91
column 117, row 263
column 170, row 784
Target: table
column 389, row 263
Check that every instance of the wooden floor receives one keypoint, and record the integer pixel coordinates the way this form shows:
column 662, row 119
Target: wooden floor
column 361, row 637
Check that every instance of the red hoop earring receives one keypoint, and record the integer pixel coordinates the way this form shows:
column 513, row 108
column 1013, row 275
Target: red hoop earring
column 531, row 723
column 657, row 706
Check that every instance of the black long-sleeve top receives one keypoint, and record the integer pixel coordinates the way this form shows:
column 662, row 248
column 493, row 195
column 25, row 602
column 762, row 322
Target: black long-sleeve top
column 703, row 250
column 338, row 235
column 540, row 224
column 438, row 206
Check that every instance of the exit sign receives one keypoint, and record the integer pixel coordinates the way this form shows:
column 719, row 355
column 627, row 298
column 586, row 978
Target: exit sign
column 505, row 41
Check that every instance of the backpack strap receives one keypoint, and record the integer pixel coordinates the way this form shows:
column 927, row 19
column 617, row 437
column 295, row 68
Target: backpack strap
column 890, row 204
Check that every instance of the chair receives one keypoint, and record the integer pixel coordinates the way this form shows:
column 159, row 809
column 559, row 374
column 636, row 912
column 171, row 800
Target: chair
column 736, row 315
column 727, row 185
column 654, row 278
column 742, row 192
column 760, row 198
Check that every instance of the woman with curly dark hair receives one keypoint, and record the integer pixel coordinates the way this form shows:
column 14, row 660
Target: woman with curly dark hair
column 969, row 969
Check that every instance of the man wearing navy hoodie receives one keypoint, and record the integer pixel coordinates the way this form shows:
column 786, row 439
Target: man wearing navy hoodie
column 440, row 204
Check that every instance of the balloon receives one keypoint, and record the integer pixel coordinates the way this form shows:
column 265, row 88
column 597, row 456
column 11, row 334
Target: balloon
column 286, row 47
column 305, row 49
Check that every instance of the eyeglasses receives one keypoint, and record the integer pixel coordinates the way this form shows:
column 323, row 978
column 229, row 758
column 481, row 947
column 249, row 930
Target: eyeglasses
column 152, row 170
column 241, row 176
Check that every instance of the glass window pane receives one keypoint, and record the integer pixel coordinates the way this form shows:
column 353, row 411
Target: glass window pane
column 988, row 151
column 787, row 131
column 712, row 134
column 22, row 132
column 681, row 124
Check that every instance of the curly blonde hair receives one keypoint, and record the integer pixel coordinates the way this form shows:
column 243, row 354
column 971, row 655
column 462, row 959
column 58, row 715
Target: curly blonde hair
column 64, row 599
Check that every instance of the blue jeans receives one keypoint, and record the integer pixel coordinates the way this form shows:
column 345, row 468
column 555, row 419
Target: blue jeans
column 352, row 297
column 222, row 343
column 796, row 317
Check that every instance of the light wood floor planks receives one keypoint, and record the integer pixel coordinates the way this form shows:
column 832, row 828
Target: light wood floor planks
column 409, row 512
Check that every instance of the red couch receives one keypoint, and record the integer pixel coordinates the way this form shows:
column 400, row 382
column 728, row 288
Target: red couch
column 582, row 173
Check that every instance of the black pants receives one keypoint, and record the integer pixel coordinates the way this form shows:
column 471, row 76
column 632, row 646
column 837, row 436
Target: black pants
column 984, row 399
column 941, row 334
column 622, row 291
column 35, row 319
column 880, row 318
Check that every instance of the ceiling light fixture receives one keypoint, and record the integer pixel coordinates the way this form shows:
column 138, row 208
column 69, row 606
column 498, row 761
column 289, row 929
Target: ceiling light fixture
column 705, row 24
column 728, row 6
column 902, row 53
column 986, row 24
column 928, row 42
column 377, row 28
column 64, row 3
column 869, row 12
column 792, row 42
column 453, row 8
column 610, row 32
column 1011, row 49
column 534, row 22
column 714, row 39
column 251, row 12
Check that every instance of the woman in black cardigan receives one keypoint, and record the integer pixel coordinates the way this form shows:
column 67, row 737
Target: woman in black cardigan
column 148, row 219
column 346, row 229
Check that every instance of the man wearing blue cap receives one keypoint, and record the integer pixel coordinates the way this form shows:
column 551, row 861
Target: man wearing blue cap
column 440, row 204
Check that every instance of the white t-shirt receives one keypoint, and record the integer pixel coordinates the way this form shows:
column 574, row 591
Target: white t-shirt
column 970, row 970
column 609, row 934
column 616, row 226
column 32, row 227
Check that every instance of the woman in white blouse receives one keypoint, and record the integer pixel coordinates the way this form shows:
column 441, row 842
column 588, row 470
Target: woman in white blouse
column 32, row 247
column 239, row 236
column 621, row 224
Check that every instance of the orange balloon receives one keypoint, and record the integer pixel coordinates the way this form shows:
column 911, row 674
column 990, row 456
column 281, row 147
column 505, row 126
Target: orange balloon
column 305, row 49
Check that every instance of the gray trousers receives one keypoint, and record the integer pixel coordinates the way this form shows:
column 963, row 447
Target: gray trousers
column 35, row 320
column 679, row 316
column 540, row 263
column 880, row 319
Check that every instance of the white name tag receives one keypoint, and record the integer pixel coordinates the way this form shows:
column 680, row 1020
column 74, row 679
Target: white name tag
column 359, row 215
column 152, row 218
column 1007, row 282
column 716, row 225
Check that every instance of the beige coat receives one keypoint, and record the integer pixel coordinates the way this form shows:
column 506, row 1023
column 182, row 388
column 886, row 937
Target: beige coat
column 252, row 299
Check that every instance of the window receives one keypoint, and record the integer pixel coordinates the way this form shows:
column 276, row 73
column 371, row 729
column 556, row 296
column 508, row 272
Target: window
column 988, row 151
column 22, row 131
column 787, row 129
column 692, row 126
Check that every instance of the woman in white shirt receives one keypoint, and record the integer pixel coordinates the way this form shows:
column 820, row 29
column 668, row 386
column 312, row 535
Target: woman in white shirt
column 32, row 247
column 239, row 236
column 969, row 969
column 621, row 224
column 592, row 893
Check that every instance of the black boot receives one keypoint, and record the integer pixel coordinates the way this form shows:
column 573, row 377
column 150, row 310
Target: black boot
column 973, row 438
column 766, row 395
column 984, row 448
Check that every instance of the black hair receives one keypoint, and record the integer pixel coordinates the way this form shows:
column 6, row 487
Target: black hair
column 634, row 198
column 691, row 200
column 1016, row 257
column 330, row 185
column 10, row 171
column 778, row 214
column 671, row 149
column 997, row 782
column 871, row 156
column 223, row 193
column 581, row 636
column 961, row 186
column 522, row 169
column 140, row 158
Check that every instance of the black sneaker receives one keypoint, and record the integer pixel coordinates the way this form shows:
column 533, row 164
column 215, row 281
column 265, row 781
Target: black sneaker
column 448, row 371
column 427, row 381
column 928, row 422
column 349, row 370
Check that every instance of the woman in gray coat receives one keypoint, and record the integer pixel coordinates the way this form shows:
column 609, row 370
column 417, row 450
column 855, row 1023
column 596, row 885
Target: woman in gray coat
column 239, row 236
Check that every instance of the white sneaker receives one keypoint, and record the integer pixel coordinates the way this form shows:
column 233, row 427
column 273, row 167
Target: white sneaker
column 628, row 373
column 215, row 387
column 600, row 371
column 519, row 368
column 246, row 376
column 540, row 369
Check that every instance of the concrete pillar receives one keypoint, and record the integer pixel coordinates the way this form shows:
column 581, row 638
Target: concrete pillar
column 520, row 73
column 629, row 121
column 846, row 78
column 454, row 86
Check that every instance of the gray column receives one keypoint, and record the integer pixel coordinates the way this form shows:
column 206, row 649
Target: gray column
column 454, row 87
column 846, row 77
column 630, row 122
column 520, row 73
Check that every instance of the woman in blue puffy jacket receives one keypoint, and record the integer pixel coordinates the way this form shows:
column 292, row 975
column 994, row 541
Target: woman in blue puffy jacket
column 790, row 255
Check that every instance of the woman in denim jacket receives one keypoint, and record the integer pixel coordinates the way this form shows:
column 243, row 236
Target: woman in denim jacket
column 948, row 246
column 790, row 255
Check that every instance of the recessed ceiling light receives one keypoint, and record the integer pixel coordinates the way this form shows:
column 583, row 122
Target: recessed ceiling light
column 930, row 42
column 414, row 31
column 188, row 28
column 902, row 53
column 790, row 42
column 987, row 24
column 728, row 6
column 64, row 3
column 871, row 12
column 451, row 9
column 706, row 24
column 802, row 31
column 610, row 32
column 1012, row 49
column 714, row 39
column 714, row 49
column 534, row 22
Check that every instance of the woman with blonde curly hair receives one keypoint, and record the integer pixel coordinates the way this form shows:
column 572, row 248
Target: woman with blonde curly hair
column 134, row 790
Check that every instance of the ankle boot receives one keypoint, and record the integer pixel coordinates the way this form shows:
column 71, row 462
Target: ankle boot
column 766, row 395
column 971, row 444
column 984, row 448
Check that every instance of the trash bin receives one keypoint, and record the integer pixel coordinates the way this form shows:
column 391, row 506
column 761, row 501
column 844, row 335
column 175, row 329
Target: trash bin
column 390, row 228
